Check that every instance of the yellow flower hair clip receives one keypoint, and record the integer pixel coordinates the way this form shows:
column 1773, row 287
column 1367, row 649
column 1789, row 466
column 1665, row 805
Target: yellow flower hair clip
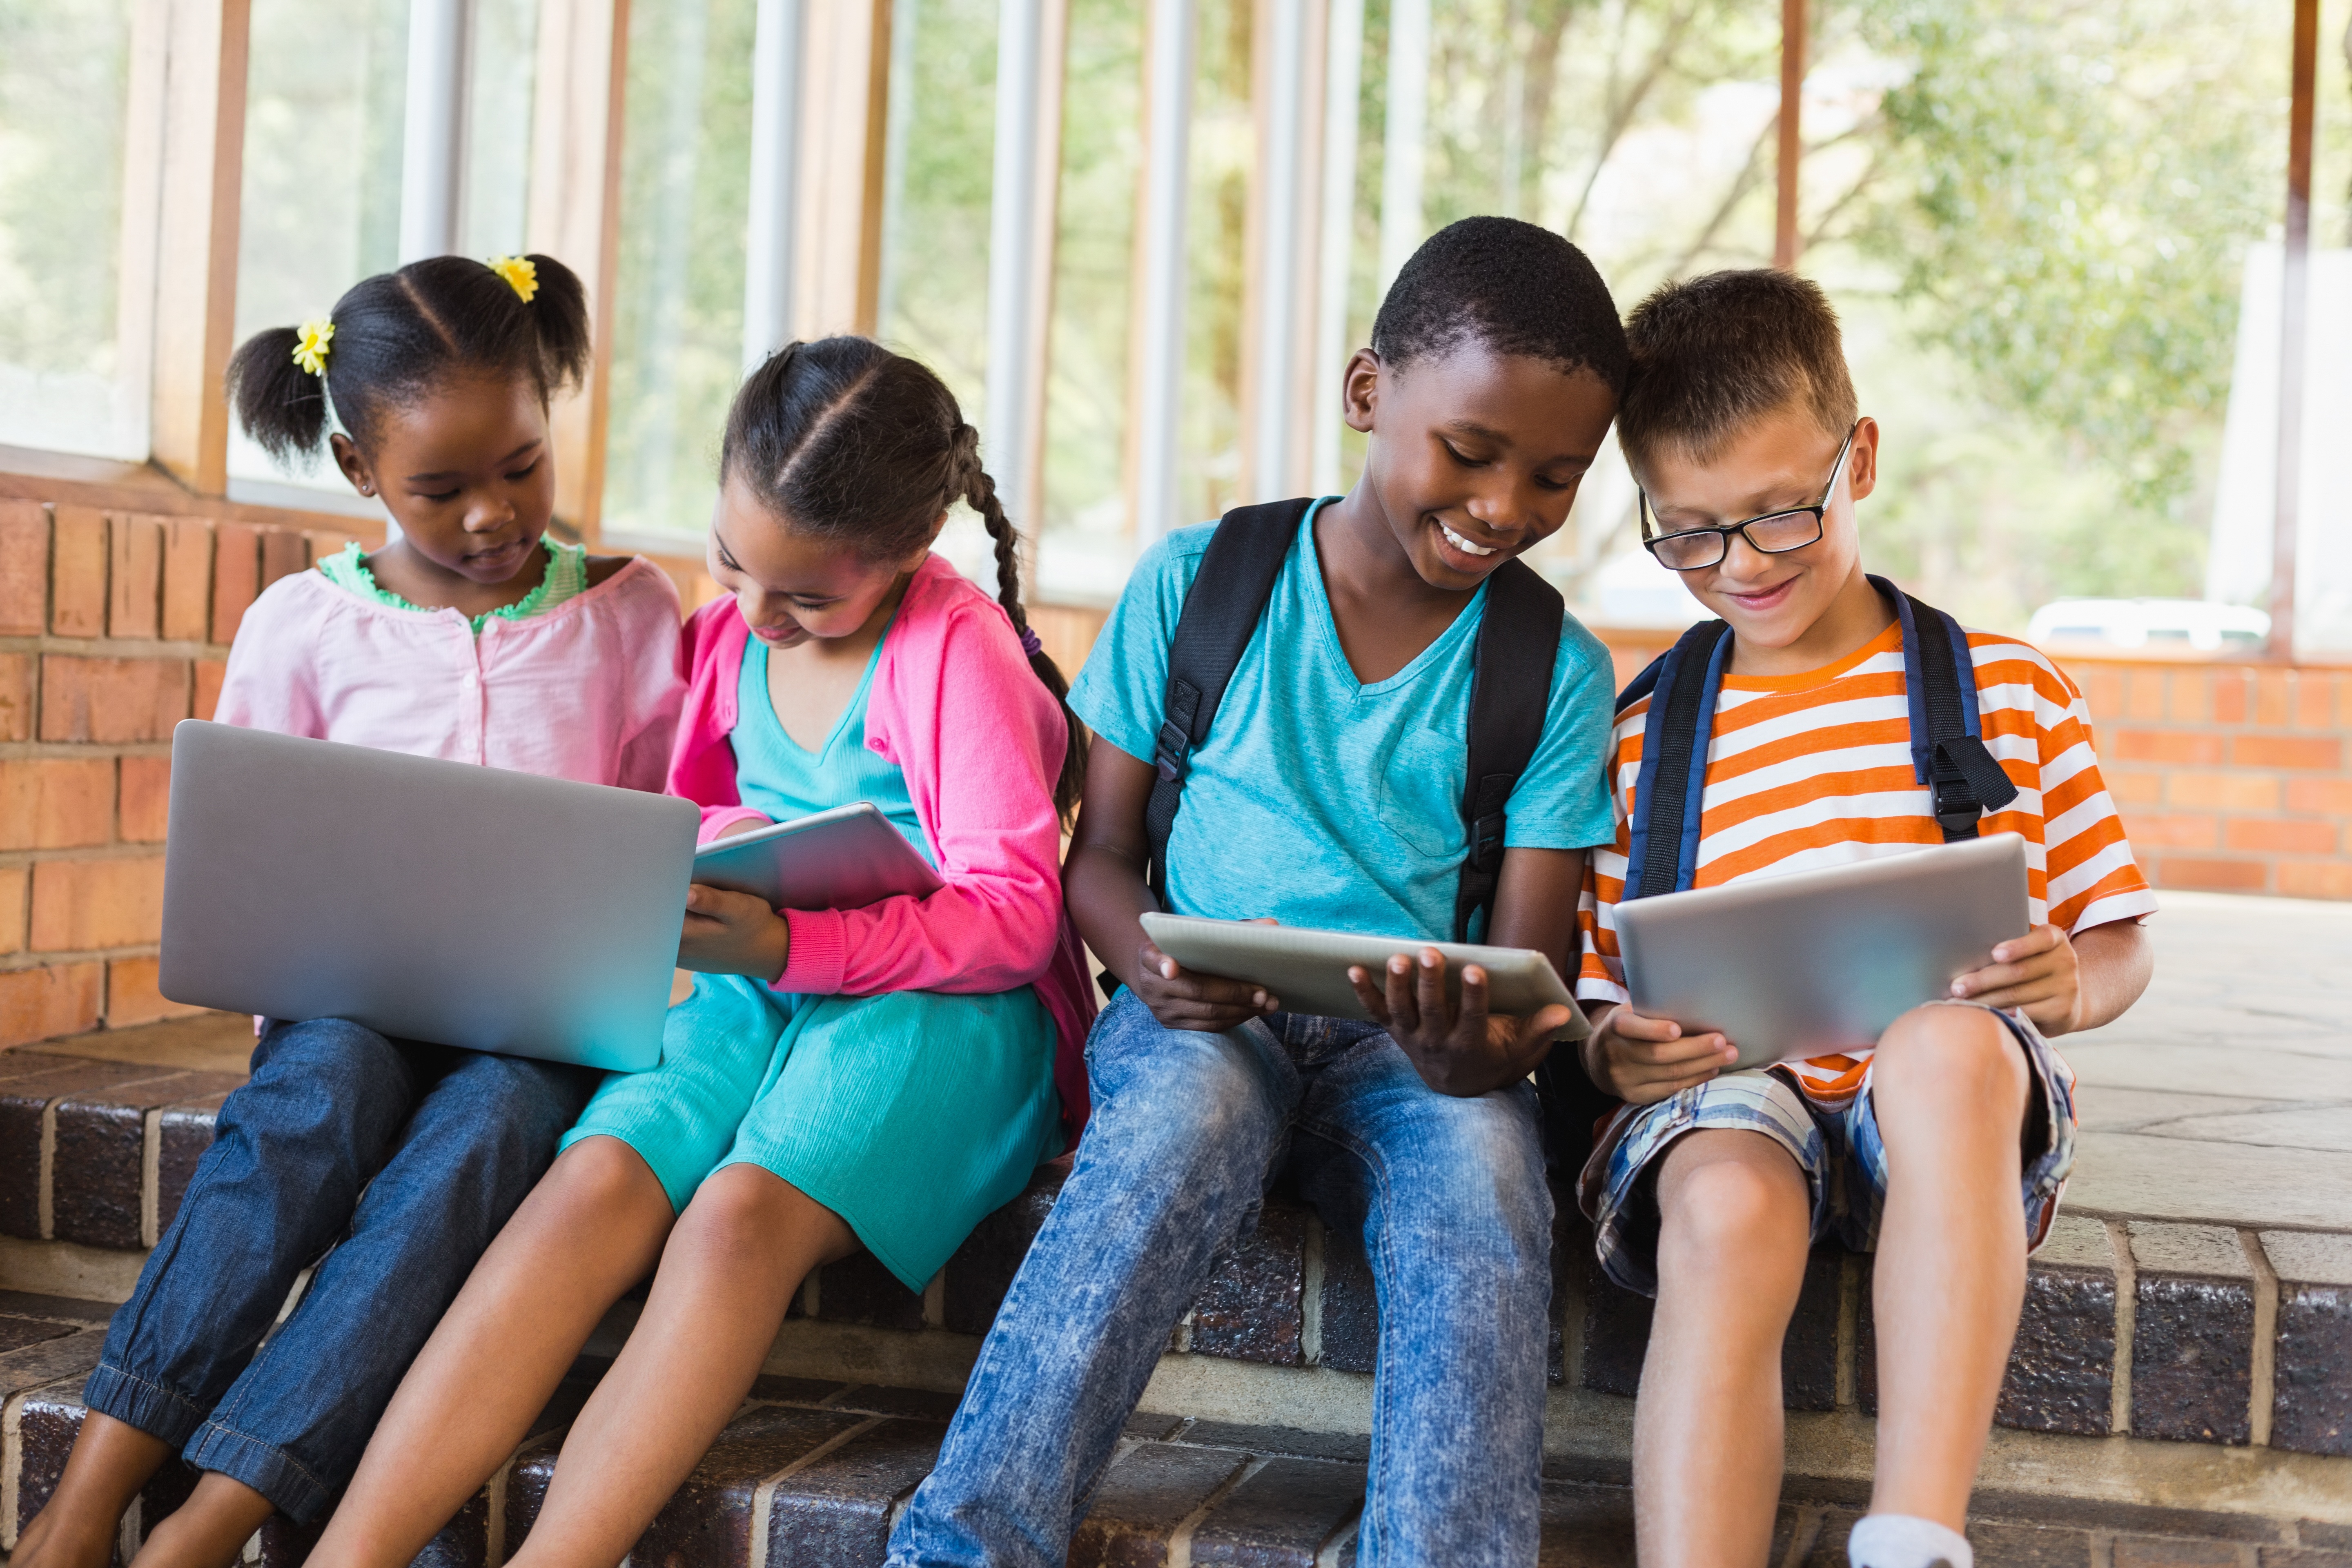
column 311, row 346
column 521, row 273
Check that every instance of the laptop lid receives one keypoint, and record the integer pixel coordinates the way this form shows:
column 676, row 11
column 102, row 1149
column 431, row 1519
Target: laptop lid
column 427, row 899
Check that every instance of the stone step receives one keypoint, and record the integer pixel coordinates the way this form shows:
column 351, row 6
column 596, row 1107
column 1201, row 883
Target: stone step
column 2143, row 1345
column 817, row 1472
column 2187, row 1333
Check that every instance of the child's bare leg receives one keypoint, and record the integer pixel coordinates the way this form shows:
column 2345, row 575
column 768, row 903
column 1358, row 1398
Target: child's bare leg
column 1737, row 1221
column 1949, row 1085
column 739, row 1252
column 209, row 1529
column 78, row 1526
column 592, row 1227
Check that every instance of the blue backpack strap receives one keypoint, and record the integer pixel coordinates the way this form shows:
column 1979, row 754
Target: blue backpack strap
column 1222, row 609
column 1662, row 855
column 1948, row 750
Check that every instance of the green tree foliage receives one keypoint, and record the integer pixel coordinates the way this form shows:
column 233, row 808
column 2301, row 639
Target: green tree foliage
column 2065, row 195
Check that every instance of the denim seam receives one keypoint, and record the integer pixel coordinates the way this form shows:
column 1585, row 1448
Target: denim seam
column 248, row 1442
column 195, row 1417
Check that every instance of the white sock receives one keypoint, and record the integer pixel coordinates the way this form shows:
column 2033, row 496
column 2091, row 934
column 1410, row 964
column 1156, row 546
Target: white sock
column 1899, row 1540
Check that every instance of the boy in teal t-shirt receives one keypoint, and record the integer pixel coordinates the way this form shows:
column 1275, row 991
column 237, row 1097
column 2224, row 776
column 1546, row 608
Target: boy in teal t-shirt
column 1328, row 790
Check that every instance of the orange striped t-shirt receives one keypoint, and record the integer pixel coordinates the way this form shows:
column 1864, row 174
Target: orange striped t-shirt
column 1815, row 770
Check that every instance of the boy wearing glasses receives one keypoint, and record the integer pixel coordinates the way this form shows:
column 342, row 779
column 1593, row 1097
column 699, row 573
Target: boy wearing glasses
column 1709, row 1186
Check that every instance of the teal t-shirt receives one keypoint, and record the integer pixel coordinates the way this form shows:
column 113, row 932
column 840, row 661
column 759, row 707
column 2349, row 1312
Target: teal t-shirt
column 777, row 776
column 1322, row 802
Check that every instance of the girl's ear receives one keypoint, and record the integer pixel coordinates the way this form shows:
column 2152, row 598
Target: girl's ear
column 353, row 463
column 1360, row 391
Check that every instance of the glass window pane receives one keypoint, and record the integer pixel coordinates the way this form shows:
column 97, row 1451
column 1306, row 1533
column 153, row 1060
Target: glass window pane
column 939, row 173
column 72, row 359
column 940, row 167
column 2053, row 238
column 1087, row 545
column 678, row 335
column 1216, row 219
column 321, row 209
column 497, row 127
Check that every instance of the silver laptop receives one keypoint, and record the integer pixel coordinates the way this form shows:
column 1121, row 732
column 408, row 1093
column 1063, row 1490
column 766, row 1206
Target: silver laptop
column 1814, row 962
column 427, row 899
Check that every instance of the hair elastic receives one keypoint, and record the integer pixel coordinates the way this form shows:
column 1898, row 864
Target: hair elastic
column 311, row 346
column 521, row 273
column 1029, row 642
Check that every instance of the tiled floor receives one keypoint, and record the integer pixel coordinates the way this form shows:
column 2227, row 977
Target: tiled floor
column 2225, row 1096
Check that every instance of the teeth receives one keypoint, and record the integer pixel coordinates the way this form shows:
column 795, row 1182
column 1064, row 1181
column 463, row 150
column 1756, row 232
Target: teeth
column 1463, row 544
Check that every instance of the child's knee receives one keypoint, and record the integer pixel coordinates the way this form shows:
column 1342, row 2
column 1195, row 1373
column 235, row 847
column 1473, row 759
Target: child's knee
column 1183, row 1091
column 1952, row 1061
column 334, row 1056
column 1724, row 1194
column 602, row 1175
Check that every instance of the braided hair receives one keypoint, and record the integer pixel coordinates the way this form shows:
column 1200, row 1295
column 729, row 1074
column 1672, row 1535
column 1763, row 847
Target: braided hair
column 866, row 449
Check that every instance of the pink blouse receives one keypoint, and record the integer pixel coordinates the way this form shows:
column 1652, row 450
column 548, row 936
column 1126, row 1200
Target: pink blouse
column 588, row 691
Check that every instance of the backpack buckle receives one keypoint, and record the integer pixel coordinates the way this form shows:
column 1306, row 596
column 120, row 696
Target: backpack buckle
column 1957, row 806
column 1486, row 839
column 1169, row 757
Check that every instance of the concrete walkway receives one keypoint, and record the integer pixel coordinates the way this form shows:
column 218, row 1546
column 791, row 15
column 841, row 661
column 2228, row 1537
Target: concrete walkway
column 2225, row 1096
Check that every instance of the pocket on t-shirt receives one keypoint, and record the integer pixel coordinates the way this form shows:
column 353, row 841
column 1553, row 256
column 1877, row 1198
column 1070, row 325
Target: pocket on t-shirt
column 1421, row 791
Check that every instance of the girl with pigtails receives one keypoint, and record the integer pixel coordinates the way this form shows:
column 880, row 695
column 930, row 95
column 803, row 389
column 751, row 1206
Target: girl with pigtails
column 880, row 1077
column 382, row 1166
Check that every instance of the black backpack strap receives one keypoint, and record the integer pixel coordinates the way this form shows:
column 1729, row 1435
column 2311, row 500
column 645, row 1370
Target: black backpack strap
column 1221, row 610
column 1682, row 687
column 1948, row 750
column 1510, row 693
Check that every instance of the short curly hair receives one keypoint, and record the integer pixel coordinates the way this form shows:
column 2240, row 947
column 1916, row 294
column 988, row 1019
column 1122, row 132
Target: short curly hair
column 1517, row 289
column 1712, row 353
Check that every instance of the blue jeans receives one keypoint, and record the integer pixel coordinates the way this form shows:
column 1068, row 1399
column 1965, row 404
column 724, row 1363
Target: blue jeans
column 404, row 1159
column 1188, row 1129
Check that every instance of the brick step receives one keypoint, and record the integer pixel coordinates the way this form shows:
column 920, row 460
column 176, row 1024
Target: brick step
column 2186, row 1334
column 815, row 1472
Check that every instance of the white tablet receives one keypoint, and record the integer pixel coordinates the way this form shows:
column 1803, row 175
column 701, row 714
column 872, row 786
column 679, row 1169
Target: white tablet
column 839, row 859
column 1816, row 962
column 1306, row 971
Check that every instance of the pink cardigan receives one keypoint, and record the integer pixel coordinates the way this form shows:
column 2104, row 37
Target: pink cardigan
column 956, row 706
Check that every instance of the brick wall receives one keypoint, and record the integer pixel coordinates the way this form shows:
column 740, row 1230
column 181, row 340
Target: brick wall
column 2231, row 777
column 114, row 626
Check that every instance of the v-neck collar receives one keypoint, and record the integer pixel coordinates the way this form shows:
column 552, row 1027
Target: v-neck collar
column 854, row 708
column 1441, row 647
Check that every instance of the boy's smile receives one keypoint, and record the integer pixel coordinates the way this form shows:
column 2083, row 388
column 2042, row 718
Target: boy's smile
column 1795, row 610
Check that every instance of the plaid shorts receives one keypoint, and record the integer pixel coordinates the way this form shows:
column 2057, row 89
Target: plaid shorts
column 1838, row 1147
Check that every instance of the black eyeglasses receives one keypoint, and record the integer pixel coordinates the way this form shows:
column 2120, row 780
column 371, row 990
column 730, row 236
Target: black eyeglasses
column 1774, row 534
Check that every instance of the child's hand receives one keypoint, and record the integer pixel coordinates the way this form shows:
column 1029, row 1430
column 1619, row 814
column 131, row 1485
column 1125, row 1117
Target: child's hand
column 1460, row 1051
column 1642, row 1059
column 1209, row 1003
column 2038, row 973
column 732, row 933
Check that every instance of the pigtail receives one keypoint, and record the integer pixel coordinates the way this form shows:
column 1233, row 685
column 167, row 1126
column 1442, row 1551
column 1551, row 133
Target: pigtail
column 282, row 405
column 559, row 313
column 980, row 494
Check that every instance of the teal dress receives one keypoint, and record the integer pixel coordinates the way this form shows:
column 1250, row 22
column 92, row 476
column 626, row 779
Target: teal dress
column 912, row 1115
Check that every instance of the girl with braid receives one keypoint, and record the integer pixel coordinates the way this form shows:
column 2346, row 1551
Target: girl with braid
column 880, row 1077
